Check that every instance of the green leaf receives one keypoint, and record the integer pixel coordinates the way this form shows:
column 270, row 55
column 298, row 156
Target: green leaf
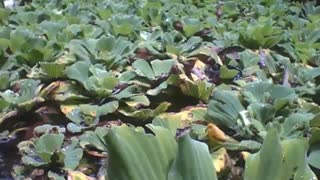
column 82, row 49
column 53, row 70
column 135, row 155
column 74, row 128
column 95, row 139
column 266, row 92
column 143, row 68
column 106, row 43
column 279, row 160
column 55, row 176
column 157, row 69
column 225, row 108
column 138, row 100
column 263, row 112
column 4, row 15
column 27, row 97
column 4, row 43
column 171, row 123
column 295, row 123
column 193, row 161
column 242, row 146
column 4, row 79
column 145, row 114
column 100, row 83
column 314, row 156
column 260, row 33
column 226, row 73
column 125, row 24
column 78, row 71
column 295, row 151
column 127, row 92
column 49, row 143
column 107, row 108
column 267, row 164
column 161, row 67
column 90, row 113
column 198, row 89
column 3, row 105
column 248, row 58
column 32, row 161
column 72, row 155
column 104, row 13
column 68, row 92
column 191, row 26
column 96, row 110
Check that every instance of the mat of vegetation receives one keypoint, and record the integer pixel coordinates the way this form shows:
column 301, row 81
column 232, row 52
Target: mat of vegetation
column 160, row 90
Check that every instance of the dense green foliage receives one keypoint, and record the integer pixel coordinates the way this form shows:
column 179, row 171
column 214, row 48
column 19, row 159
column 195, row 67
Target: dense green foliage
column 161, row 89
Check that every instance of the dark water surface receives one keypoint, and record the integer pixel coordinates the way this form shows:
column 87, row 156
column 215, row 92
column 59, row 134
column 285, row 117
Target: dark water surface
column 8, row 157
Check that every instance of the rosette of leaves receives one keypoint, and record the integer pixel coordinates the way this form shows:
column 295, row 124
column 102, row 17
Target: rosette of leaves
column 53, row 29
column 199, row 89
column 265, row 100
column 266, row 92
column 149, row 45
column 67, row 92
column 261, row 33
column 176, row 44
column 123, row 24
column 53, row 69
column 191, row 26
column 94, row 78
column 27, row 96
column 95, row 139
column 131, row 95
column 88, row 113
column 144, row 113
column 114, row 52
column 49, row 152
column 155, row 70
column 304, row 43
column 160, row 69
column 225, row 108
column 108, row 50
column 20, row 41
column 151, row 13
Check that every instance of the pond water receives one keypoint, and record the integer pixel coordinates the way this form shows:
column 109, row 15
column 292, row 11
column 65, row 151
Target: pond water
column 8, row 156
column 6, row 162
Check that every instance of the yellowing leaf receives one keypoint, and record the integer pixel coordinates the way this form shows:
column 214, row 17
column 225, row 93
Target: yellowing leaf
column 65, row 109
column 199, row 64
column 184, row 115
column 219, row 159
column 245, row 155
column 138, row 100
